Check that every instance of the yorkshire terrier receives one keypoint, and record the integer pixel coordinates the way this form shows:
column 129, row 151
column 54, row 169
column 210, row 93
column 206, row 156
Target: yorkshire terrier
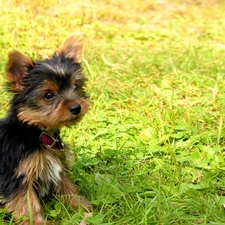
column 47, row 95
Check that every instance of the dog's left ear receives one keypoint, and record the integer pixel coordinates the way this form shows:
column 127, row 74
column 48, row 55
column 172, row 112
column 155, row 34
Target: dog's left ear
column 72, row 47
column 17, row 68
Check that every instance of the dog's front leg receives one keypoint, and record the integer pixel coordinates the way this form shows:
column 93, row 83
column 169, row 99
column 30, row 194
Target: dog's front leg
column 25, row 207
column 71, row 197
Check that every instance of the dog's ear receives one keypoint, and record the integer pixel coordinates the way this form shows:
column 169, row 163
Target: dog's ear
column 72, row 47
column 17, row 68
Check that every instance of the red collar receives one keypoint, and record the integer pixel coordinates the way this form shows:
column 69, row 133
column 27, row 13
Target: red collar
column 51, row 142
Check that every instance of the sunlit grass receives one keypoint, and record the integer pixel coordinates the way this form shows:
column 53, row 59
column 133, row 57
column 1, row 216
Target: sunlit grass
column 151, row 148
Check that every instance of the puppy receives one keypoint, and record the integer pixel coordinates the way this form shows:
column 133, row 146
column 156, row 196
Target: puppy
column 47, row 95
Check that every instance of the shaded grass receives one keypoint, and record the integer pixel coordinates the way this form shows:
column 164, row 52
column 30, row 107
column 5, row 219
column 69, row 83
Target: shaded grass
column 151, row 149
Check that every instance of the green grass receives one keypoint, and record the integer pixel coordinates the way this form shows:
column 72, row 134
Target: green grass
column 151, row 149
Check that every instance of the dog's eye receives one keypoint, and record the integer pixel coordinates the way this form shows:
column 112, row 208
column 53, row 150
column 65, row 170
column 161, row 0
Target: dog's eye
column 75, row 87
column 49, row 96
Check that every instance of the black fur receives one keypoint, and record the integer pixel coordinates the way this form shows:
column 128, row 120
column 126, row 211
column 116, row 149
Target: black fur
column 17, row 140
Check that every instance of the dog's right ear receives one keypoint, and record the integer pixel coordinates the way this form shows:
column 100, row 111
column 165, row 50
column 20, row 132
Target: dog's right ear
column 17, row 68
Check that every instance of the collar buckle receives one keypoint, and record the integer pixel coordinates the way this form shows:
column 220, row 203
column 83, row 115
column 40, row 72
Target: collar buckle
column 51, row 142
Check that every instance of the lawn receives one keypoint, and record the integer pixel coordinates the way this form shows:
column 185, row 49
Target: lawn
column 151, row 148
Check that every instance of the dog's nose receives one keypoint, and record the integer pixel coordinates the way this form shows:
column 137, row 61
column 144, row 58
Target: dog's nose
column 75, row 109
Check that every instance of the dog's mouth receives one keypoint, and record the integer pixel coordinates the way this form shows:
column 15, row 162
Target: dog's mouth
column 72, row 120
column 59, row 124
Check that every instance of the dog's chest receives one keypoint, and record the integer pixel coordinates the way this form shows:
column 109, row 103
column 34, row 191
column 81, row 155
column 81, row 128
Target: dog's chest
column 42, row 170
column 49, row 178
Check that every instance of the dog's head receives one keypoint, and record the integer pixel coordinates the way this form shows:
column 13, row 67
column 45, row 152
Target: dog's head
column 49, row 93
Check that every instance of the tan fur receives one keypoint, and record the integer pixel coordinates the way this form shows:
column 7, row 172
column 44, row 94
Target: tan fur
column 41, row 166
column 72, row 47
column 16, row 69
column 55, row 117
column 18, row 205
column 38, row 167
column 69, row 194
